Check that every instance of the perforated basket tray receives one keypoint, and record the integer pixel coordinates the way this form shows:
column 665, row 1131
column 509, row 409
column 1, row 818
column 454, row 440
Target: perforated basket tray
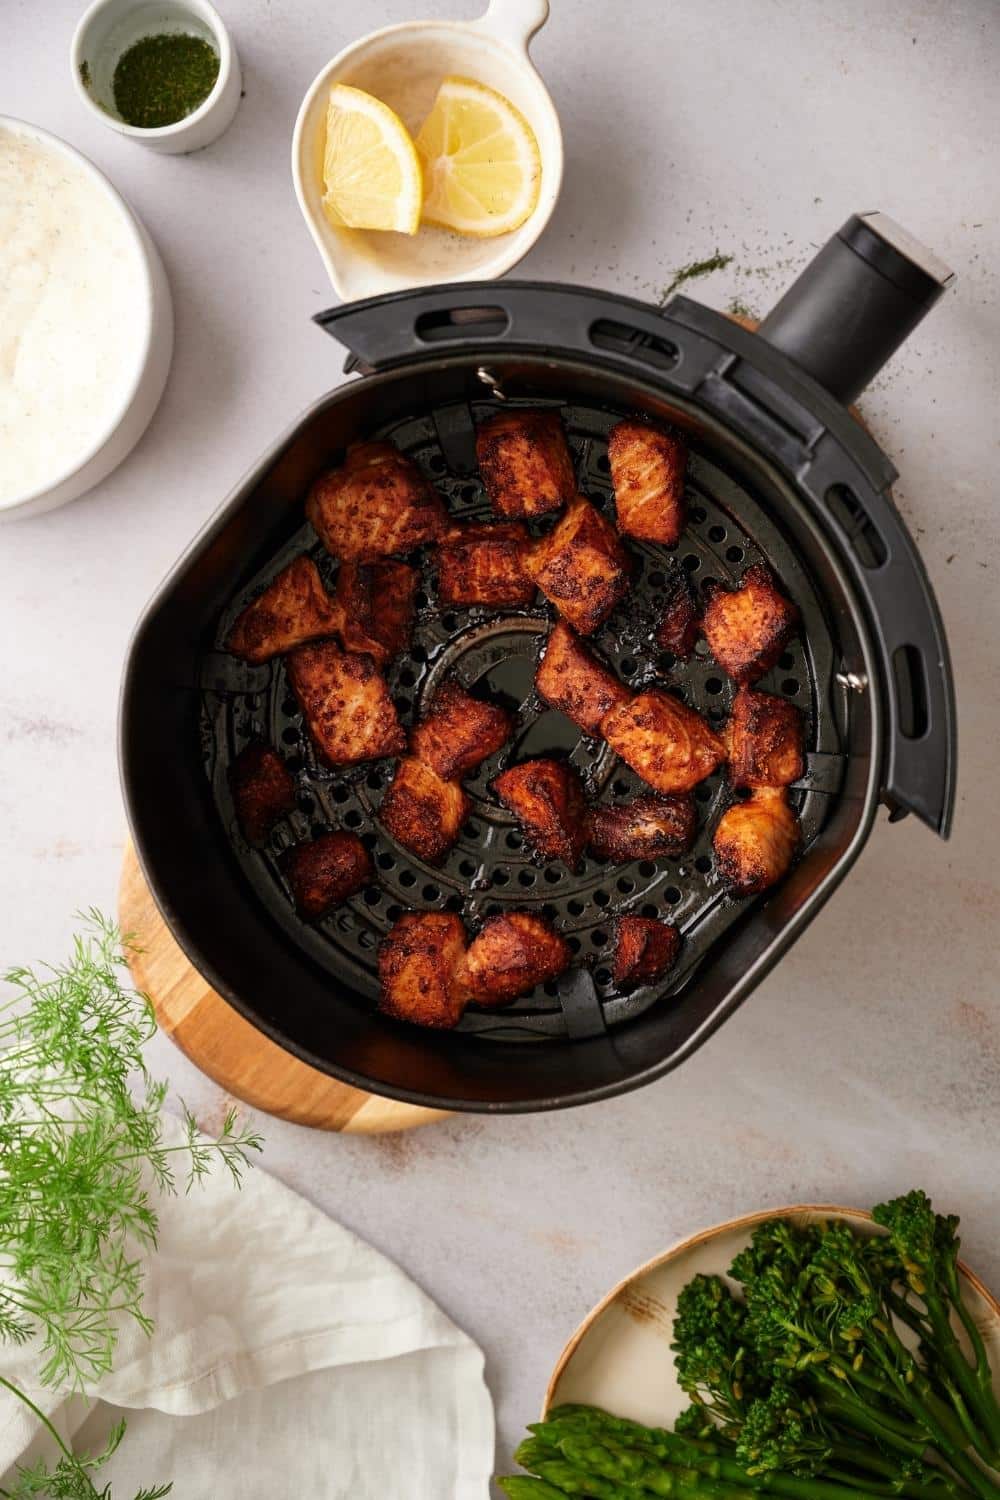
column 489, row 869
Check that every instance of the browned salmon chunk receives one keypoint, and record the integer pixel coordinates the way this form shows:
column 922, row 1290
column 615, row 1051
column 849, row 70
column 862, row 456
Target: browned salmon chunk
column 325, row 871
column 525, row 463
column 294, row 608
column 346, row 704
column 666, row 743
column 647, row 470
column 459, row 731
column 755, row 841
column 581, row 566
column 747, row 628
column 765, row 739
column 422, row 810
column 645, row 948
column 263, row 790
column 571, row 679
column 378, row 502
column 483, row 563
column 546, row 797
column 514, row 951
column 421, row 967
column 376, row 603
column 651, row 826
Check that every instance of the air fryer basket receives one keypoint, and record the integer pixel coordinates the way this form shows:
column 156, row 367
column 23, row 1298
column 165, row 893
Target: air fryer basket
column 489, row 869
column 312, row 986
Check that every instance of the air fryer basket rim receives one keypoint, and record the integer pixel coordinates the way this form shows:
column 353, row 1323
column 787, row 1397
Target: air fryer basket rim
column 160, row 885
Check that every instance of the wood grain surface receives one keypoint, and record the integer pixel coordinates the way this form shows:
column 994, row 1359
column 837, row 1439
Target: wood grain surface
column 238, row 1057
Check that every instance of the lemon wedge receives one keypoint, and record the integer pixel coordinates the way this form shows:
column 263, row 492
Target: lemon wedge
column 371, row 171
column 482, row 169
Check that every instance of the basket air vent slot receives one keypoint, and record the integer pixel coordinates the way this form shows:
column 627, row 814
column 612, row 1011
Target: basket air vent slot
column 462, row 322
column 620, row 338
column 911, row 692
column 861, row 532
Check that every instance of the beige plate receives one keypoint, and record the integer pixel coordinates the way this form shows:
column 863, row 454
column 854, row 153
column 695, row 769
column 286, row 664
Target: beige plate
column 620, row 1358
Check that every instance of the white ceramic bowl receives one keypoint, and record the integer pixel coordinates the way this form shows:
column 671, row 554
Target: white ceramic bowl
column 403, row 65
column 109, row 27
column 620, row 1356
column 154, row 337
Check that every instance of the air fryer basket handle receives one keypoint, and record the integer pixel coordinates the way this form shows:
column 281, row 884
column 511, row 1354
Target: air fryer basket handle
column 536, row 315
column 751, row 387
column 855, row 303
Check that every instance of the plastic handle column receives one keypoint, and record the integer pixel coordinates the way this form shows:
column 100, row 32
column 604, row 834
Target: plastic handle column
column 855, row 303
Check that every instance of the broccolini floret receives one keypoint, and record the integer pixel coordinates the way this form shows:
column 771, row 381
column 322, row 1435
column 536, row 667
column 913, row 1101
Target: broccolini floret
column 832, row 1371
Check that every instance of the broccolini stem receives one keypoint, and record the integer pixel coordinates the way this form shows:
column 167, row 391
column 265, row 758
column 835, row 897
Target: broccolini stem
column 977, row 1392
column 982, row 1436
column 863, row 1456
column 907, row 1313
column 944, row 1431
column 953, row 1290
column 902, row 1436
column 973, row 1435
column 941, row 1428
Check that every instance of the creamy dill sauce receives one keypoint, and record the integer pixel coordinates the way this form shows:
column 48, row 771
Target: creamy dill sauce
column 72, row 313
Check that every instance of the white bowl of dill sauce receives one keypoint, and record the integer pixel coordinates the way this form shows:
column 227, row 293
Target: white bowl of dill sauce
column 86, row 325
column 170, row 61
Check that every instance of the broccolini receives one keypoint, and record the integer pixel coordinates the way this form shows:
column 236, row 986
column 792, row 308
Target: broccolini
column 835, row 1368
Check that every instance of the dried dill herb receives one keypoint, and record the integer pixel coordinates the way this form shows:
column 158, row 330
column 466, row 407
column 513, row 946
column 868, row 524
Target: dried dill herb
column 692, row 272
column 740, row 309
column 162, row 79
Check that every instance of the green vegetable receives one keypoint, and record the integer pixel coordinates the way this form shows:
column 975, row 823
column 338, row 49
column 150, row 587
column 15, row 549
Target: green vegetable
column 804, row 1385
column 522, row 1487
column 80, row 1156
column 713, row 1459
column 162, row 79
column 927, row 1247
column 819, row 1322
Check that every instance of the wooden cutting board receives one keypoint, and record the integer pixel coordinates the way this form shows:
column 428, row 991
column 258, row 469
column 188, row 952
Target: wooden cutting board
column 238, row 1057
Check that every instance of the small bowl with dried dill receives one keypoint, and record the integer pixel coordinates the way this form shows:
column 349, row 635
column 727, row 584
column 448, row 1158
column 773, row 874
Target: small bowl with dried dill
column 164, row 73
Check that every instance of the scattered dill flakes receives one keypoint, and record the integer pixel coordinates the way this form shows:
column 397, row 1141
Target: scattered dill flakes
column 164, row 78
column 692, row 272
column 85, row 73
column 739, row 309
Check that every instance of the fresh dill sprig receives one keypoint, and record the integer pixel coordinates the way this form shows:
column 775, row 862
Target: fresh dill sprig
column 81, row 1156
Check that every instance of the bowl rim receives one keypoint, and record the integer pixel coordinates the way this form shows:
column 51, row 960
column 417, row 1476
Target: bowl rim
column 211, row 17
column 140, row 244
column 714, row 1231
column 553, row 164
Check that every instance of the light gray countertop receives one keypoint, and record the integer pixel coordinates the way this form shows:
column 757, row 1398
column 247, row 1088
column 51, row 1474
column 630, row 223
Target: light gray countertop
column 870, row 1060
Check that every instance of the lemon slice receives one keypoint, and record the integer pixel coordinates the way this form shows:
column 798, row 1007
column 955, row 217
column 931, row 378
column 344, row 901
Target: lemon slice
column 482, row 170
column 371, row 171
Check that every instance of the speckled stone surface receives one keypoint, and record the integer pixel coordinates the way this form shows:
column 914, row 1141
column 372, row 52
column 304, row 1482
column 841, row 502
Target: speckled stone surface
column 870, row 1060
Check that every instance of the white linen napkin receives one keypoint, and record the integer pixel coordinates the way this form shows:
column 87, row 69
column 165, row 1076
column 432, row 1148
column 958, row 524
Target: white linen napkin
column 288, row 1358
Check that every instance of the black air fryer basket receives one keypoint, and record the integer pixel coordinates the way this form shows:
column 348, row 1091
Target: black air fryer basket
column 780, row 473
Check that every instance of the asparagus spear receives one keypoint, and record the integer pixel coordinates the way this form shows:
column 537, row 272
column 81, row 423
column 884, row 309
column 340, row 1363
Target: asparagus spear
column 710, row 1458
column 571, row 1480
column 525, row 1487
